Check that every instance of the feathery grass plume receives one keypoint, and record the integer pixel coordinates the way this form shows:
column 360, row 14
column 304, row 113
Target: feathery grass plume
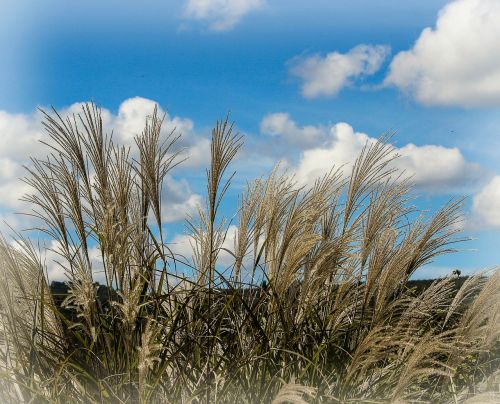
column 312, row 302
column 147, row 355
column 293, row 393
column 31, row 334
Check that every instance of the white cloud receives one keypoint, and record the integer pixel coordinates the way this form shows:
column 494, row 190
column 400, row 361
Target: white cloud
column 130, row 120
column 50, row 255
column 20, row 136
column 58, row 267
column 195, row 152
column 221, row 15
column 132, row 114
column 432, row 167
column 486, row 206
column 11, row 186
column 458, row 61
column 327, row 75
column 21, row 133
column 179, row 200
column 181, row 244
column 281, row 125
column 438, row 168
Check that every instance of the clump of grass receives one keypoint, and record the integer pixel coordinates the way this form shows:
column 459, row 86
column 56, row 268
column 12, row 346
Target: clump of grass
column 314, row 307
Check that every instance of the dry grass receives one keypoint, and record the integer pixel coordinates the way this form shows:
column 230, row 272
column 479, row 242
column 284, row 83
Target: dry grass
column 315, row 306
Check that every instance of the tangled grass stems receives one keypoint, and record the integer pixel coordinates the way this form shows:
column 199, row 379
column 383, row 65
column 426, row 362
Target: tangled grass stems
column 316, row 305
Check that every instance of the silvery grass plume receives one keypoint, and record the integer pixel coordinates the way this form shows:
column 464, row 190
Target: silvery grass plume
column 316, row 304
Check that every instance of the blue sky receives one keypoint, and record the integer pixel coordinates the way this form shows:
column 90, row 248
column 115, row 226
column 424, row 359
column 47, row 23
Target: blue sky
column 199, row 59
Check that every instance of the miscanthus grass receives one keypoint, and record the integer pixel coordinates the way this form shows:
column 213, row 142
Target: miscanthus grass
column 315, row 305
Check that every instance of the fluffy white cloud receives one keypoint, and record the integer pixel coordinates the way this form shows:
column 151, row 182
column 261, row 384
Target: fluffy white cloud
column 327, row 75
column 11, row 186
column 432, row 167
column 281, row 125
column 221, row 14
column 57, row 266
column 458, row 61
column 51, row 256
column 21, row 133
column 20, row 136
column 130, row 120
column 132, row 114
column 179, row 200
column 182, row 244
column 437, row 168
column 486, row 206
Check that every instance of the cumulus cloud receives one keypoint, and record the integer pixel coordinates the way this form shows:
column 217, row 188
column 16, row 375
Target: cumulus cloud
column 486, row 206
column 129, row 122
column 182, row 244
column 282, row 126
column 57, row 266
column 50, row 255
column 457, row 62
column 180, row 201
column 434, row 168
column 221, row 15
column 437, row 168
column 327, row 75
column 132, row 114
column 11, row 186
column 21, row 134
